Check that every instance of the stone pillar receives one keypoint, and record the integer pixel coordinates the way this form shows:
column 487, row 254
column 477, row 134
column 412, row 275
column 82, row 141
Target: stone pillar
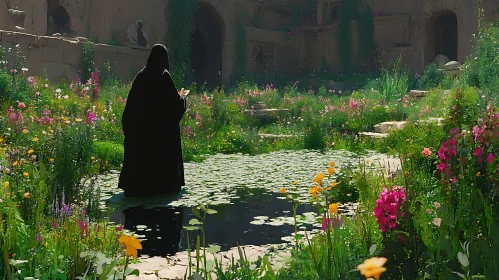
column 320, row 11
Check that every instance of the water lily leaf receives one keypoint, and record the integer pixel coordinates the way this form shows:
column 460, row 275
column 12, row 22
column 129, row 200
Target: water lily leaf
column 195, row 222
column 131, row 271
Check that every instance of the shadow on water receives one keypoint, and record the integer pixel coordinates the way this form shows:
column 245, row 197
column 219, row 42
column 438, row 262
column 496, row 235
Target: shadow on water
column 163, row 233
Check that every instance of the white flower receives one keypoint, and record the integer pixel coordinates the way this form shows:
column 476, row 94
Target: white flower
column 66, row 96
column 58, row 90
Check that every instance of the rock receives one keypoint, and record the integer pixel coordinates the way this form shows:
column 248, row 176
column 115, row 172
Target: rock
column 441, row 60
column 386, row 127
column 259, row 106
column 82, row 39
column 417, row 93
column 374, row 134
column 452, row 65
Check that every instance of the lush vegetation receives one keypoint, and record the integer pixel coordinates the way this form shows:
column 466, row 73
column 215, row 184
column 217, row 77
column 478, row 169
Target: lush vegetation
column 434, row 219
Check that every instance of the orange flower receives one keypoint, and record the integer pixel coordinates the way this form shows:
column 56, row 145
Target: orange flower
column 372, row 267
column 319, row 177
column 426, row 152
column 333, row 208
column 295, row 183
column 330, row 170
column 332, row 164
column 26, row 195
column 132, row 244
column 283, row 190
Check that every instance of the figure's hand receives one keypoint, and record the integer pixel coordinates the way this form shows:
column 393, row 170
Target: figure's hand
column 184, row 92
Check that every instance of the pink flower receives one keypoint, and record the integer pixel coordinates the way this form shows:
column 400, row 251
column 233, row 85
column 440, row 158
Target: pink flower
column 428, row 211
column 437, row 221
column 441, row 166
column 490, row 158
column 436, row 204
column 334, row 222
column 37, row 93
column 388, row 206
column 477, row 151
column 426, row 152
column 21, row 105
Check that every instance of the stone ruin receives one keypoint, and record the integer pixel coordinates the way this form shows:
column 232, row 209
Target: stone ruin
column 424, row 31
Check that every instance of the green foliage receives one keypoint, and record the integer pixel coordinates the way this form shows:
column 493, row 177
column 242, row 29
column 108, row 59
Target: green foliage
column 178, row 15
column 394, row 81
column 108, row 75
column 109, row 155
column 431, row 77
column 87, row 57
column 463, row 108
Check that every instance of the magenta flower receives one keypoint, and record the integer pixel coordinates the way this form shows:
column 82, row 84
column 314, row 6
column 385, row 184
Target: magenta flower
column 387, row 207
column 490, row 158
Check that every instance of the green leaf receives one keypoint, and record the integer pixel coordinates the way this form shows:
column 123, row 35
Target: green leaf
column 191, row 228
column 211, row 211
column 463, row 259
column 196, row 213
column 131, row 271
column 195, row 222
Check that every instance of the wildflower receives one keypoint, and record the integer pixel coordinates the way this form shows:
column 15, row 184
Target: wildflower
column 333, row 208
column 295, row 183
column 37, row 93
column 372, row 267
column 131, row 244
column 478, row 174
column 1, row 201
column 46, row 86
column 330, row 170
column 387, row 207
column 15, row 163
column 35, row 139
column 283, row 190
column 6, row 184
column 52, row 159
column 25, row 174
column 437, row 221
column 26, row 195
column 332, row 164
column 58, row 90
column 25, row 131
column 490, row 158
column 315, row 190
column 30, row 151
column 46, row 244
column 318, row 178
column 436, row 204
column 426, row 152
column 21, row 105
column 39, row 238
column 428, row 211
column 334, row 222
column 78, row 120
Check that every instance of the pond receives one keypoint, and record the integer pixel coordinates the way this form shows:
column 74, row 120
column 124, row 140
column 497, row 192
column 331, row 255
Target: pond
column 244, row 191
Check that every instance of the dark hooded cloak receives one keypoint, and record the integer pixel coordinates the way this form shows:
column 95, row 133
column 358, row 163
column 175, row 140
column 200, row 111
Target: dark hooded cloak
column 153, row 161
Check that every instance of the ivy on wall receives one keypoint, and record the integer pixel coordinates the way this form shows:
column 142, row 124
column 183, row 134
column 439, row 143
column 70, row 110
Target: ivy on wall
column 365, row 25
column 87, row 57
column 241, row 51
column 178, row 15
column 347, row 11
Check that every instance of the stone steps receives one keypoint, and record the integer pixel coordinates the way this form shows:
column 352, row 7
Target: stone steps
column 383, row 129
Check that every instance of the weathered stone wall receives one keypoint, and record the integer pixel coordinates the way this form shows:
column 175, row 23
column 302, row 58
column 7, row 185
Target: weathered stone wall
column 59, row 58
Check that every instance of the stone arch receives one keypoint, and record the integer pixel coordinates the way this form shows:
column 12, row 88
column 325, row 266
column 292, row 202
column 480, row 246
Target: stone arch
column 442, row 36
column 211, row 44
column 58, row 19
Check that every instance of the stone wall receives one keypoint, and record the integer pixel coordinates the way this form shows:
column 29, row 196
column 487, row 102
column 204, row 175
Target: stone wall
column 58, row 58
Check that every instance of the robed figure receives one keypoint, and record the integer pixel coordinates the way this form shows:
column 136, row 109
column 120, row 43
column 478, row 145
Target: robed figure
column 153, row 162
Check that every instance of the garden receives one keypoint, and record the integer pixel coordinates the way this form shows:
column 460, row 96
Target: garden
column 433, row 218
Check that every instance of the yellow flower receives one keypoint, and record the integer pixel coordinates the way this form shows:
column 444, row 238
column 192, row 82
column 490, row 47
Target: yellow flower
column 295, row 183
column 319, row 177
column 6, row 184
column 132, row 244
column 478, row 174
column 25, row 131
column 67, row 122
column 332, row 164
column 46, row 244
column 26, row 195
column 334, row 184
column 15, row 163
column 30, row 151
column 78, row 120
column 333, row 208
column 92, row 157
column 283, row 190
column 35, row 139
column 25, row 174
column 330, row 170
column 52, row 159
column 372, row 267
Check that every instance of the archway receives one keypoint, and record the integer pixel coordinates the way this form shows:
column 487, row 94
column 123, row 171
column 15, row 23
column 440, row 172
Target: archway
column 442, row 36
column 58, row 19
column 208, row 35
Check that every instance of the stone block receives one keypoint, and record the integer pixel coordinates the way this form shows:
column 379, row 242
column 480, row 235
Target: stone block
column 418, row 93
column 386, row 127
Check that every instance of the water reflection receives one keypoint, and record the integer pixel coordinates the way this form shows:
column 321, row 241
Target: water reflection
column 162, row 228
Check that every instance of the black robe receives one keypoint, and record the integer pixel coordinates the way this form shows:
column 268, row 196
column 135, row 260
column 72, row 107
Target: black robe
column 153, row 162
